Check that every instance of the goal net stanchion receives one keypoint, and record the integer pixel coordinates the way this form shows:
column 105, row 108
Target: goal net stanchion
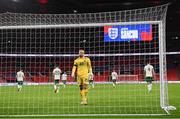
column 121, row 41
column 163, row 72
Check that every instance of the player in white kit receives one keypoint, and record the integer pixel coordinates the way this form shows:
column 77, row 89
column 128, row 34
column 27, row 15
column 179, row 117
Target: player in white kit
column 91, row 78
column 57, row 76
column 64, row 79
column 114, row 77
column 149, row 74
column 20, row 78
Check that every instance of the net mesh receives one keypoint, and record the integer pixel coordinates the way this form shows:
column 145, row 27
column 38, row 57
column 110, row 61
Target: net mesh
column 38, row 42
column 146, row 14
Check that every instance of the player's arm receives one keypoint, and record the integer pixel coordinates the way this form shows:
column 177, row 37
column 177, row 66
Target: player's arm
column 74, row 68
column 89, row 65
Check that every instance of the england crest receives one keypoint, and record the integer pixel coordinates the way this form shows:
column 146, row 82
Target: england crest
column 113, row 33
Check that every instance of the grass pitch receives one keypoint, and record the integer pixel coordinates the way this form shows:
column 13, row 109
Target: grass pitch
column 103, row 99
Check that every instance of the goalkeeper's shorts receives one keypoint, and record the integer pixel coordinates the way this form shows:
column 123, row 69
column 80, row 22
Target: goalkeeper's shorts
column 82, row 81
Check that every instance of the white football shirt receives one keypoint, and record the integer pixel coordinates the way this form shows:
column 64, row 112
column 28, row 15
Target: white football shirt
column 20, row 76
column 148, row 70
column 57, row 73
column 114, row 75
column 64, row 77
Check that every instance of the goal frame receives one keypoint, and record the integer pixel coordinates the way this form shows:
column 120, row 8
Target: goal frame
column 162, row 59
column 164, row 104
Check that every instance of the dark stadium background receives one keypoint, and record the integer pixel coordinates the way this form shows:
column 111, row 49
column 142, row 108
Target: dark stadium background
column 81, row 6
column 38, row 67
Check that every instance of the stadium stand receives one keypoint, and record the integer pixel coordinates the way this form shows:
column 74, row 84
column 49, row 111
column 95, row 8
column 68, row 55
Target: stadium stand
column 41, row 69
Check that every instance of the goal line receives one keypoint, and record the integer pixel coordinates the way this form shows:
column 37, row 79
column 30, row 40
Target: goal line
column 83, row 115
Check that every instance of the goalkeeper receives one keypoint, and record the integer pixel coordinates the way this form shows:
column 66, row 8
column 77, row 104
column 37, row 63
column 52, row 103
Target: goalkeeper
column 83, row 66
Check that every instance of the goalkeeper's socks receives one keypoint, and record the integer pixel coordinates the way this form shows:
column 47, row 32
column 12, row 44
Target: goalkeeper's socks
column 81, row 92
column 83, row 95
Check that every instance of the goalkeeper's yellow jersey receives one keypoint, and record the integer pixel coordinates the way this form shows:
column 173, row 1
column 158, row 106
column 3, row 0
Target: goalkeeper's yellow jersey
column 83, row 67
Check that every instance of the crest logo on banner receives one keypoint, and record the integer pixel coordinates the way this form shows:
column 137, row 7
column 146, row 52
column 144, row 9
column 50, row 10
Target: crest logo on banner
column 113, row 33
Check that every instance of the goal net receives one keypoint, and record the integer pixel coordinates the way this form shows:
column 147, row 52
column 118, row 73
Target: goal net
column 120, row 41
